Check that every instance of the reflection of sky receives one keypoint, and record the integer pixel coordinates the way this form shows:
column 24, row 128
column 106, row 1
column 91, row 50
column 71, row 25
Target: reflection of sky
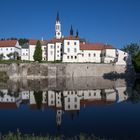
column 110, row 120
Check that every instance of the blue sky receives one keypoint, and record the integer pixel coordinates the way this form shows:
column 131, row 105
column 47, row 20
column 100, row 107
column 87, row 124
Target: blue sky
column 115, row 22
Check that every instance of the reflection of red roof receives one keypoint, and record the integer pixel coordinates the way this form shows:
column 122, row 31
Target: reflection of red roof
column 7, row 105
column 94, row 46
column 33, row 42
column 96, row 102
column 7, row 43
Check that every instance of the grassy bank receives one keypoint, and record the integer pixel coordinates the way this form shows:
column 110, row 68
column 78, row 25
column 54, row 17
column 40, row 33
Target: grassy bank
column 3, row 76
column 19, row 136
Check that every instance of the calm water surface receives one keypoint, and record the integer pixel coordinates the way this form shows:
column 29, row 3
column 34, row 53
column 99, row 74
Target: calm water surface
column 109, row 108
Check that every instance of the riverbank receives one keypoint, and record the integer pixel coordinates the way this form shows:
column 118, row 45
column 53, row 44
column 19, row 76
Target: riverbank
column 43, row 70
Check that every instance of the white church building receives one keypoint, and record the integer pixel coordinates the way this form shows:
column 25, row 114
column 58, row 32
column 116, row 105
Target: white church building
column 69, row 49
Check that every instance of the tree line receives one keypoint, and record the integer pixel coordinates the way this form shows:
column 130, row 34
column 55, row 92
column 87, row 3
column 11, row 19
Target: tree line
column 134, row 50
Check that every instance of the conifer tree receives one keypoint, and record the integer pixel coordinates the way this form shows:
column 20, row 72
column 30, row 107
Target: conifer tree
column 38, row 52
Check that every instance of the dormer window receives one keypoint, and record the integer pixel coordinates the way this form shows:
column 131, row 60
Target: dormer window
column 68, row 43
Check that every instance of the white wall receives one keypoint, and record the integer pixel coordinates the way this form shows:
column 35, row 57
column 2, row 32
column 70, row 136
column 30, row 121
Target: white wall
column 122, row 57
column 51, row 52
column 58, row 48
column 24, row 54
column 108, row 55
column 71, row 51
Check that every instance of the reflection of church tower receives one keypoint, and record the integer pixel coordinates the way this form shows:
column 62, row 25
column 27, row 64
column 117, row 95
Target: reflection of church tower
column 58, row 33
column 59, row 118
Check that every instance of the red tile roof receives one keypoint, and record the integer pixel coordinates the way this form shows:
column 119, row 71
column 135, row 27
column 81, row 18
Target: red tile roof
column 94, row 46
column 33, row 42
column 54, row 40
column 7, row 43
column 71, row 38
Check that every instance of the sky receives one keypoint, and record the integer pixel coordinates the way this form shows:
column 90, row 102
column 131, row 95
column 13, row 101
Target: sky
column 115, row 22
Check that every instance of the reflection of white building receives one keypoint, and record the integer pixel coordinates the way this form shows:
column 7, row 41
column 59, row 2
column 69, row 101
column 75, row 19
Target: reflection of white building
column 71, row 100
column 7, row 97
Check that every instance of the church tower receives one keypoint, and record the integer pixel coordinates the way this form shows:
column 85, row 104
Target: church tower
column 58, row 33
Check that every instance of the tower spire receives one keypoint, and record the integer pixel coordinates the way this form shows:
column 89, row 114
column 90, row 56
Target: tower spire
column 71, row 31
column 58, row 33
column 57, row 17
column 77, row 33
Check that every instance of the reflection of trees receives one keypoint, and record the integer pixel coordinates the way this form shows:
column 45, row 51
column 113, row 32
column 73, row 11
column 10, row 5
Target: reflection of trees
column 13, row 94
column 135, row 97
column 1, row 94
column 38, row 98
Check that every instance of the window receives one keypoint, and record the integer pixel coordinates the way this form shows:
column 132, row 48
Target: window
column 75, row 99
column 74, row 43
column 94, row 54
column 75, row 50
column 67, row 57
column 68, row 43
column 94, row 93
column 89, row 94
column 71, row 57
column 75, row 106
column 69, row 106
column 51, row 52
column 11, row 49
column 75, row 57
column 26, row 53
column 51, row 102
column 58, row 51
column 68, row 99
column 57, row 46
column 7, row 49
column 82, row 55
column 68, row 49
column 57, row 55
column 89, row 54
column 51, row 46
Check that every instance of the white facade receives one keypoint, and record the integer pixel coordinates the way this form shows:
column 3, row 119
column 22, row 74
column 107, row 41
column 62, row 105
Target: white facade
column 51, row 52
column 109, row 55
column 71, row 50
column 25, row 54
column 13, row 46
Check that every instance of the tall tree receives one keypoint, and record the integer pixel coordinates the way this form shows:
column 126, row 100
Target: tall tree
column 1, row 56
column 38, row 52
column 132, row 48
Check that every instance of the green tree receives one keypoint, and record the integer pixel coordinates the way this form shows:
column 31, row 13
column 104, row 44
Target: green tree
column 10, row 55
column 1, row 56
column 38, row 98
column 38, row 52
column 23, row 41
column 136, row 62
column 132, row 48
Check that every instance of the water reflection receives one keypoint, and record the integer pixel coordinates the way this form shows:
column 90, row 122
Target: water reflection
column 64, row 95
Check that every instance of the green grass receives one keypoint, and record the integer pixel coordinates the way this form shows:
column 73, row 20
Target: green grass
column 19, row 136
